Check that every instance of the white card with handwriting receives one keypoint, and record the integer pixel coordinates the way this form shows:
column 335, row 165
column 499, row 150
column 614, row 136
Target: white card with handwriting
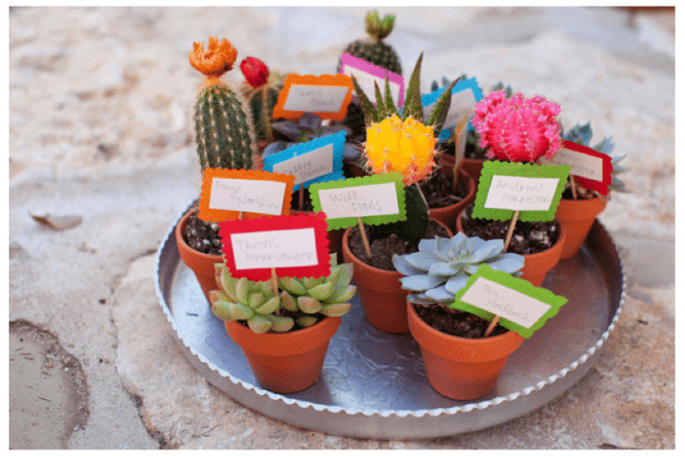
column 521, row 193
column 243, row 195
column 274, row 249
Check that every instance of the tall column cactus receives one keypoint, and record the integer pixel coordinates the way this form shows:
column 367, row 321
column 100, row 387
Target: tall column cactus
column 221, row 127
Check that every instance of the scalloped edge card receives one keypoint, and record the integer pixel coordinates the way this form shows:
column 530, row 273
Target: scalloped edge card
column 521, row 306
column 228, row 192
column 465, row 95
column 327, row 96
column 318, row 160
column 367, row 73
column 295, row 245
column 376, row 199
column 590, row 168
column 505, row 187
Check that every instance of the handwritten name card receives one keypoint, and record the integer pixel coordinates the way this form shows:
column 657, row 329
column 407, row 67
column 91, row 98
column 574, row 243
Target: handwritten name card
column 505, row 187
column 375, row 199
column 465, row 95
column 319, row 160
column 367, row 74
column 521, row 306
column 326, row 95
column 295, row 245
column 228, row 192
column 591, row 169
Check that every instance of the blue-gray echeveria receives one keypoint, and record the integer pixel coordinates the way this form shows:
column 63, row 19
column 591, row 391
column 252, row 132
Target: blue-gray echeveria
column 442, row 266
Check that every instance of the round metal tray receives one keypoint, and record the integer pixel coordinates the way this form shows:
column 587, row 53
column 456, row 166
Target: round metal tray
column 374, row 385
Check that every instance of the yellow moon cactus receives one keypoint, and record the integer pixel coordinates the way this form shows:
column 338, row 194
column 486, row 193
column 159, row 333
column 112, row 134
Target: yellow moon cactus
column 407, row 147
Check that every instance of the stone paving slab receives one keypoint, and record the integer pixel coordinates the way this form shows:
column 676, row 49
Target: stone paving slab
column 100, row 127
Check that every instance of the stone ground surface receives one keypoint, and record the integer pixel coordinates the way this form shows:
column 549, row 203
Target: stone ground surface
column 100, row 127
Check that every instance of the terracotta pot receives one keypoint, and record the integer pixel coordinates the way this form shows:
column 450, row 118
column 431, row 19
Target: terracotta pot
column 537, row 265
column 285, row 362
column 380, row 292
column 448, row 215
column 577, row 217
column 457, row 367
column 202, row 264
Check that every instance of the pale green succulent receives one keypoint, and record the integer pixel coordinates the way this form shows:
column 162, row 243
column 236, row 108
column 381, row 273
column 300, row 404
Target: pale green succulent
column 442, row 266
column 254, row 302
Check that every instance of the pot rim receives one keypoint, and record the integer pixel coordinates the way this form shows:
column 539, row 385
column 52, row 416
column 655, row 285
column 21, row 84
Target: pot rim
column 183, row 244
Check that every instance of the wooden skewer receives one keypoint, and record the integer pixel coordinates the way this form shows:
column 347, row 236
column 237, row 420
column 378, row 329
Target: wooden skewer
column 510, row 232
column 301, row 198
column 573, row 186
column 364, row 238
column 492, row 325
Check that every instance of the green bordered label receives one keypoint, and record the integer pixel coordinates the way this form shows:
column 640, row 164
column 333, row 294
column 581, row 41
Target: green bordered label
column 521, row 306
column 377, row 200
column 505, row 187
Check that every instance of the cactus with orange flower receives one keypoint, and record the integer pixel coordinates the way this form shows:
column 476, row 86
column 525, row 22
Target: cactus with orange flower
column 222, row 132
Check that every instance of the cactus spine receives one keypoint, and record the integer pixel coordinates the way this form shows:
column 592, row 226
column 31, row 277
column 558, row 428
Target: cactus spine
column 222, row 132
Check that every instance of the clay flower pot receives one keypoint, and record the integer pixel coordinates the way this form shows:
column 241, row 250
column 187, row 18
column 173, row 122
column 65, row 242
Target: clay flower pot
column 537, row 265
column 202, row 264
column 457, row 367
column 448, row 215
column 577, row 217
column 380, row 292
column 285, row 362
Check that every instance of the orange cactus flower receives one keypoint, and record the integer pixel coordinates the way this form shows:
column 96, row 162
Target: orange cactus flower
column 406, row 147
column 218, row 59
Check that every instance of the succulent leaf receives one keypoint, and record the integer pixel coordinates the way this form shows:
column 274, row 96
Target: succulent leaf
column 222, row 310
column 255, row 300
column 269, row 306
column 306, row 321
column 292, row 285
column 343, row 294
column 336, row 310
column 322, row 292
column 259, row 324
column 421, row 282
column 288, row 302
column 280, row 323
column 240, row 311
column 309, row 305
column 217, row 295
column 311, row 282
column 242, row 289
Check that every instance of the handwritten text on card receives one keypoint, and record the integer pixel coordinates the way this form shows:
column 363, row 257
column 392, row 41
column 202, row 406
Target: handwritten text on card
column 308, row 166
column 362, row 201
column 315, row 98
column 521, row 193
column 582, row 165
column 505, row 302
column 243, row 195
column 274, row 249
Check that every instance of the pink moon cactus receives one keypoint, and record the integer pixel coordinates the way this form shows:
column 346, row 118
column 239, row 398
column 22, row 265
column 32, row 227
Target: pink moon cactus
column 517, row 129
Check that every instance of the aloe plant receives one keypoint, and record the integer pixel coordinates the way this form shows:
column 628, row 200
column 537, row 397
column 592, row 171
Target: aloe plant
column 442, row 266
column 300, row 301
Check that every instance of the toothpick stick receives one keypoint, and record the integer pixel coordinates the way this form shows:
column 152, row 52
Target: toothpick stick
column 274, row 281
column 241, row 214
column 364, row 238
column 418, row 187
column 458, row 153
column 491, row 326
column 573, row 186
column 510, row 232
column 301, row 200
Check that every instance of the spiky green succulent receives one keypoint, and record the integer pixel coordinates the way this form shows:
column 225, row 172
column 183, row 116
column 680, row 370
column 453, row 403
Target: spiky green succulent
column 582, row 134
column 300, row 301
column 442, row 266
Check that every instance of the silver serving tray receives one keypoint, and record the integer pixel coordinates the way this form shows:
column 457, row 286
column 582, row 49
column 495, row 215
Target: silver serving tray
column 374, row 385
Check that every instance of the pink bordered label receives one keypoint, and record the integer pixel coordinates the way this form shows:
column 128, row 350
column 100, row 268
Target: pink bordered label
column 293, row 245
column 326, row 96
column 226, row 193
column 367, row 73
column 589, row 168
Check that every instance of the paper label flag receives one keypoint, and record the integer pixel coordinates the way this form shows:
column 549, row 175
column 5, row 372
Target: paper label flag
column 521, row 306
column 367, row 73
column 505, row 187
column 319, row 160
column 326, row 96
column 228, row 192
column 590, row 168
column 465, row 95
column 377, row 199
column 295, row 245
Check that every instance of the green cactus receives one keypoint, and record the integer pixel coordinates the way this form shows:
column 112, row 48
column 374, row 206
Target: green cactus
column 261, row 88
column 221, row 130
column 301, row 301
column 222, row 133
column 373, row 50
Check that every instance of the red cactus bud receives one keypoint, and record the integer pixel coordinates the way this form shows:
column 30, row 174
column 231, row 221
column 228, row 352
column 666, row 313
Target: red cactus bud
column 517, row 129
column 255, row 71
